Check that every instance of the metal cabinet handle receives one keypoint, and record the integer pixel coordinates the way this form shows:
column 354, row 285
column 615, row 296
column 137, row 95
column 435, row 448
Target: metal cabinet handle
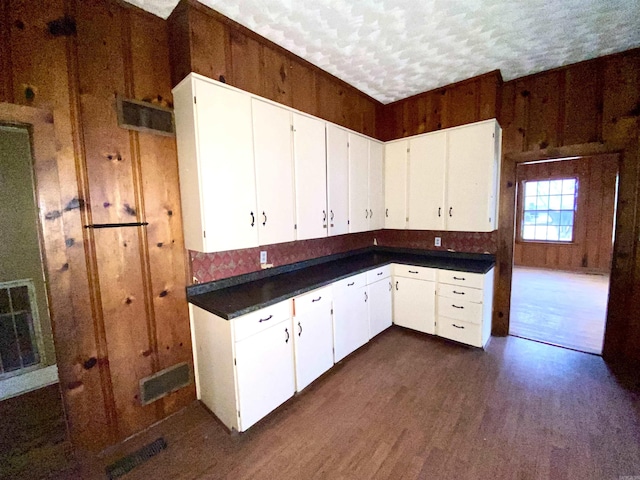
column 461, row 327
column 459, row 278
column 265, row 219
column 458, row 293
column 386, row 213
column 396, row 285
column 379, row 273
column 366, row 213
column 300, row 327
column 351, row 284
column 316, row 299
column 412, row 271
column 324, row 216
column 366, row 297
column 456, row 306
column 265, row 319
column 439, row 211
column 451, row 211
column 331, row 215
column 370, row 213
column 253, row 219
column 390, row 286
column 286, row 330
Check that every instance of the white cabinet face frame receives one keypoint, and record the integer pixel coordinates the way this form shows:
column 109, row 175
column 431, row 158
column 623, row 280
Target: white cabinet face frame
column 338, row 179
column 309, row 153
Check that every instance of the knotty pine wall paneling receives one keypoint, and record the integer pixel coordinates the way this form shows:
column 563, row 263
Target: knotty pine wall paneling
column 583, row 109
column 206, row 42
column 129, row 316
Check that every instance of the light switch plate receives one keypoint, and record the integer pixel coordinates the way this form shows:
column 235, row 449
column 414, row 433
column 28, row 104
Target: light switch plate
column 263, row 257
column 438, row 242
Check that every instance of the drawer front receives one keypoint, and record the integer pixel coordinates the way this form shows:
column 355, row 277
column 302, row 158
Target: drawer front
column 463, row 332
column 463, row 279
column 311, row 300
column 460, row 293
column 409, row 271
column 460, row 310
column 379, row 273
column 349, row 284
column 254, row 322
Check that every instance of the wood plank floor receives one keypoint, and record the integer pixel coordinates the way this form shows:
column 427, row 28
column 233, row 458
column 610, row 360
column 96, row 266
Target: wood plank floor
column 411, row 406
column 560, row 308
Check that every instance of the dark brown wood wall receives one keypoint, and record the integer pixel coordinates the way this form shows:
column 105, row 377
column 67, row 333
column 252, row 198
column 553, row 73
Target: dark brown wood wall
column 583, row 109
column 469, row 101
column 208, row 43
column 128, row 316
column 591, row 248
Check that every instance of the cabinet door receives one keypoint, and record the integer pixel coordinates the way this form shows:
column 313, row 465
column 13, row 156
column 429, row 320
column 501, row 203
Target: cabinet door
column 471, row 178
column 358, row 183
column 414, row 304
column 310, row 177
column 274, row 172
column 427, row 156
column 313, row 334
column 224, row 173
column 380, row 313
column 338, row 180
column 350, row 322
column 264, row 369
column 395, row 184
column 376, row 185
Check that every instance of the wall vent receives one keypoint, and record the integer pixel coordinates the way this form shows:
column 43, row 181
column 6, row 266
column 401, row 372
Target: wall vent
column 145, row 117
column 164, row 382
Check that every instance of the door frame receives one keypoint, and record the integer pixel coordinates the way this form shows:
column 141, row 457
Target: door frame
column 620, row 343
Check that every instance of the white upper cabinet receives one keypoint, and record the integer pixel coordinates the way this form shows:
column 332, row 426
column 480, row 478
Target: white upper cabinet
column 338, row 179
column 472, row 177
column 274, row 172
column 427, row 159
column 358, row 183
column 395, row 178
column 310, row 177
column 376, row 185
column 217, row 181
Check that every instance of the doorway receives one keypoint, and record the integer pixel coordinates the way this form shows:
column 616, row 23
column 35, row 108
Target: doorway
column 563, row 245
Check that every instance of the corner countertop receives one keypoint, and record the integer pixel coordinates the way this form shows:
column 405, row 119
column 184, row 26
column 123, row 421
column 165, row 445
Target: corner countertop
column 236, row 296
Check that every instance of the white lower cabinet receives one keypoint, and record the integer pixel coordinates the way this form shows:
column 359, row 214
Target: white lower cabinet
column 380, row 300
column 414, row 290
column 244, row 367
column 313, row 335
column 350, row 315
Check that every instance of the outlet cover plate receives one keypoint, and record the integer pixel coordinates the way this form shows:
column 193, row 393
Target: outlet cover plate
column 263, row 257
column 438, row 242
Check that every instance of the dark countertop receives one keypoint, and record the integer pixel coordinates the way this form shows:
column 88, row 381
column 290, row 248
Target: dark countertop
column 236, row 296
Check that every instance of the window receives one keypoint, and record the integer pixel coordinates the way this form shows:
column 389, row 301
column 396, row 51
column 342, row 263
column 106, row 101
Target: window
column 19, row 332
column 549, row 210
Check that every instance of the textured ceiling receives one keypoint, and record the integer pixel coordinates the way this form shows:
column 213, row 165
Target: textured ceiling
column 392, row 49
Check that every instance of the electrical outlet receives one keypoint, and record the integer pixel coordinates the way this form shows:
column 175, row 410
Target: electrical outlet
column 263, row 257
column 438, row 242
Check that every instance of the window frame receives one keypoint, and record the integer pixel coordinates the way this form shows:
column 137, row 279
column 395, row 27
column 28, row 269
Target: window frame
column 520, row 210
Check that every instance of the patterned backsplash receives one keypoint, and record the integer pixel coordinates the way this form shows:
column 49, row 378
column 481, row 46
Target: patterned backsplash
column 207, row 267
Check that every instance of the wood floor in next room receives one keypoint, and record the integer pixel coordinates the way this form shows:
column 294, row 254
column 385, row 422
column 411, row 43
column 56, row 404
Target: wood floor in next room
column 561, row 308
column 411, row 406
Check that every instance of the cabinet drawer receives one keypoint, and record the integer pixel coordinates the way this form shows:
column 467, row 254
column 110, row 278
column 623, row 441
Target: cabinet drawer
column 460, row 310
column 379, row 273
column 409, row 271
column 459, row 331
column 349, row 284
column 311, row 300
column 254, row 322
column 460, row 293
column 464, row 279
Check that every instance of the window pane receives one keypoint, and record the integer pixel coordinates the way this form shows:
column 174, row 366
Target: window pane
column 543, row 188
column 542, row 203
column 567, row 202
column 569, row 185
column 554, row 202
column 530, row 189
column 5, row 307
column 530, row 203
column 554, row 218
column 555, row 187
column 552, row 234
column 542, row 218
column 566, row 219
column 528, row 232
column 566, row 234
column 24, row 328
column 8, row 344
column 20, row 299
column 541, row 232
column 529, row 218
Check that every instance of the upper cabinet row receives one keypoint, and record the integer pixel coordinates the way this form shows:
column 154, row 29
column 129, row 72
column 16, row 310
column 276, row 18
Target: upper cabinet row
column 445, row 180
column 253, row 172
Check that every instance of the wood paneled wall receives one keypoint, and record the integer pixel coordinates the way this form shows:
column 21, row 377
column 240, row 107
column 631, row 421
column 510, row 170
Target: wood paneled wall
column 584, row 109
column 591, row 248
column 127, row 315
column 208, row 43
column 464, row 102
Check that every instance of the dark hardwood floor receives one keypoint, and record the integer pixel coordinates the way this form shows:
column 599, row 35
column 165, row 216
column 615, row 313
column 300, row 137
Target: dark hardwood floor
column 561, row 308
column 409, row 406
